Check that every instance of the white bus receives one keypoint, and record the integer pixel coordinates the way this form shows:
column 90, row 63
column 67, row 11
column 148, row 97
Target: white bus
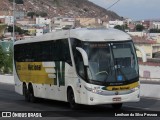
column 79, row 66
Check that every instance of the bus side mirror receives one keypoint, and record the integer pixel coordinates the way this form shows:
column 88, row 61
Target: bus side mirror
column 144, row 58
column 84, row 55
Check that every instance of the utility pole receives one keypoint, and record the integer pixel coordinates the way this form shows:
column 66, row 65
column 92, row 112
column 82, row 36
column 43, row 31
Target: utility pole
column 13, row 21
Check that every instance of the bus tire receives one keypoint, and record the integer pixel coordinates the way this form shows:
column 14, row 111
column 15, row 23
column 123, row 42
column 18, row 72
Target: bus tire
column 117, row 106
column 25, row 92
column 71, row 99
column 32, row 98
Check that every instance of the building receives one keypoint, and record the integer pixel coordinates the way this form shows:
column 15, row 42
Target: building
column 139, row 34
column 150, row 49
column 7, row 19
column 32, row 31
column 156, row 25
column 155, row 36
column 19, row 15
column 62, row 22
column 87, row 21
column 26, row 22
column 149, row 46
column 2, row 20
column 40, row 20
column 146, row 24
column 39, row 32
column 112, row 24
column 5, row 13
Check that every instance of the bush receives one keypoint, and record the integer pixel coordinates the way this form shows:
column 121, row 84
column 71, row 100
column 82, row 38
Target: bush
column 6, row 61
column 17, row 1
column 42, row 14
column 17, row 29
column 154, row 30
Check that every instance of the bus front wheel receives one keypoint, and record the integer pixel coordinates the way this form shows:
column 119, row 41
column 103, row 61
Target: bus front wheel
column 71, row 99
column 32, row 98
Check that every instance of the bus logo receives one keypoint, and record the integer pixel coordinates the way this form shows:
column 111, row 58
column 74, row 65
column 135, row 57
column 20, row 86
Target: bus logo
column 116, row 93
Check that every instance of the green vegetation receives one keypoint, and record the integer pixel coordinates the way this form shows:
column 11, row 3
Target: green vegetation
column 17, row 29
column 31, row 14
column 139, row 27
column 56, row 2
column 42, row 14
column 118, row 27
column 154, row 30
column 121, row 27
column 2, row 56
column 17, row 1
column 2, row 29
column 6, row 61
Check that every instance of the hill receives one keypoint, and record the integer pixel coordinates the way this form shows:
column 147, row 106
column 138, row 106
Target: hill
column 69, row 8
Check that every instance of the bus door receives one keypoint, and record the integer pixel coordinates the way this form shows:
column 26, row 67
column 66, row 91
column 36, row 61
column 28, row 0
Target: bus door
column 60, row 76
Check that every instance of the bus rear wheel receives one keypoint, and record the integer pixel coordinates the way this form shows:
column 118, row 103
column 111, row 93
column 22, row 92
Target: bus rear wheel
column 117, row 106
column 71, row 99
column 25, row 93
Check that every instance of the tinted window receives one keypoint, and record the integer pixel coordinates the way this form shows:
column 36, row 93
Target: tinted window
column 43, row 51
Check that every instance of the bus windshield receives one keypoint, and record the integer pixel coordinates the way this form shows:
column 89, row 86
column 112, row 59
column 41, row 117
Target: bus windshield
column 109, row 62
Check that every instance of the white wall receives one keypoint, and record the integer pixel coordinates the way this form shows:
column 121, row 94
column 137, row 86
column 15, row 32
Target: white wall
column 60, row 22
column 8, row 19
column 156, row 25
column 114, row 23
column 40, row 20
column 139, row 34
column 39, row 32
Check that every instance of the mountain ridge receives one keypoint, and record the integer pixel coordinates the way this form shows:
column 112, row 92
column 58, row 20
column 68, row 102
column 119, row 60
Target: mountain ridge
column 53, row 8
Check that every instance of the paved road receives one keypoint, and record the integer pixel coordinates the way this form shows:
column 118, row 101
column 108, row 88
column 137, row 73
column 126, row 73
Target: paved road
column 10, row 101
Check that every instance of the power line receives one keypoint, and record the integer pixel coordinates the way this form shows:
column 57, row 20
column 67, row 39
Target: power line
column 112, row 4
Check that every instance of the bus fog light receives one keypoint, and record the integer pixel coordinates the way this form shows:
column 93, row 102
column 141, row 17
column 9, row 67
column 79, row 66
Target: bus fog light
column 91, row 98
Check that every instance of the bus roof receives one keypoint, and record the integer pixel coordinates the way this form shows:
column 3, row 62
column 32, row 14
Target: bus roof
column 83, row 34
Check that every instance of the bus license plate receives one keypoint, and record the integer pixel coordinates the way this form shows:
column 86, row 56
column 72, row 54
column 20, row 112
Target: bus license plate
column 116, row 99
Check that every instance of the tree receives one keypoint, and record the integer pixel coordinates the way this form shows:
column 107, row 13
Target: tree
column 17, row 29
column 31, row 14
column 43, row 14
column 121, row 27
column 154, row 30
column 8, row 62
column 139, row 27
column 2, row 57
column 118, row 27
column 17, row 1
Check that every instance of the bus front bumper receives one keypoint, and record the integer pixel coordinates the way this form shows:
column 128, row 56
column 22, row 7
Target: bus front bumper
column 97, row 99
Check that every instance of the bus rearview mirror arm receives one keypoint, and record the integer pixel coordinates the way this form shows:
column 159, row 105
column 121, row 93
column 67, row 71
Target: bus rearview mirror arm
column 84, row 55
column 144, row 58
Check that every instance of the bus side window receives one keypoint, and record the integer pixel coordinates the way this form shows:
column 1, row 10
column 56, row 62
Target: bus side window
column 66, row 52
column 62, row 52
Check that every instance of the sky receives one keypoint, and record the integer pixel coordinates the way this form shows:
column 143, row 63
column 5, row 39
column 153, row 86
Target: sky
column 134, row 9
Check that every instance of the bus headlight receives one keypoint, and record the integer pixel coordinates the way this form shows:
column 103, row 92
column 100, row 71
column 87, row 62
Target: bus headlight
column 95, row 90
